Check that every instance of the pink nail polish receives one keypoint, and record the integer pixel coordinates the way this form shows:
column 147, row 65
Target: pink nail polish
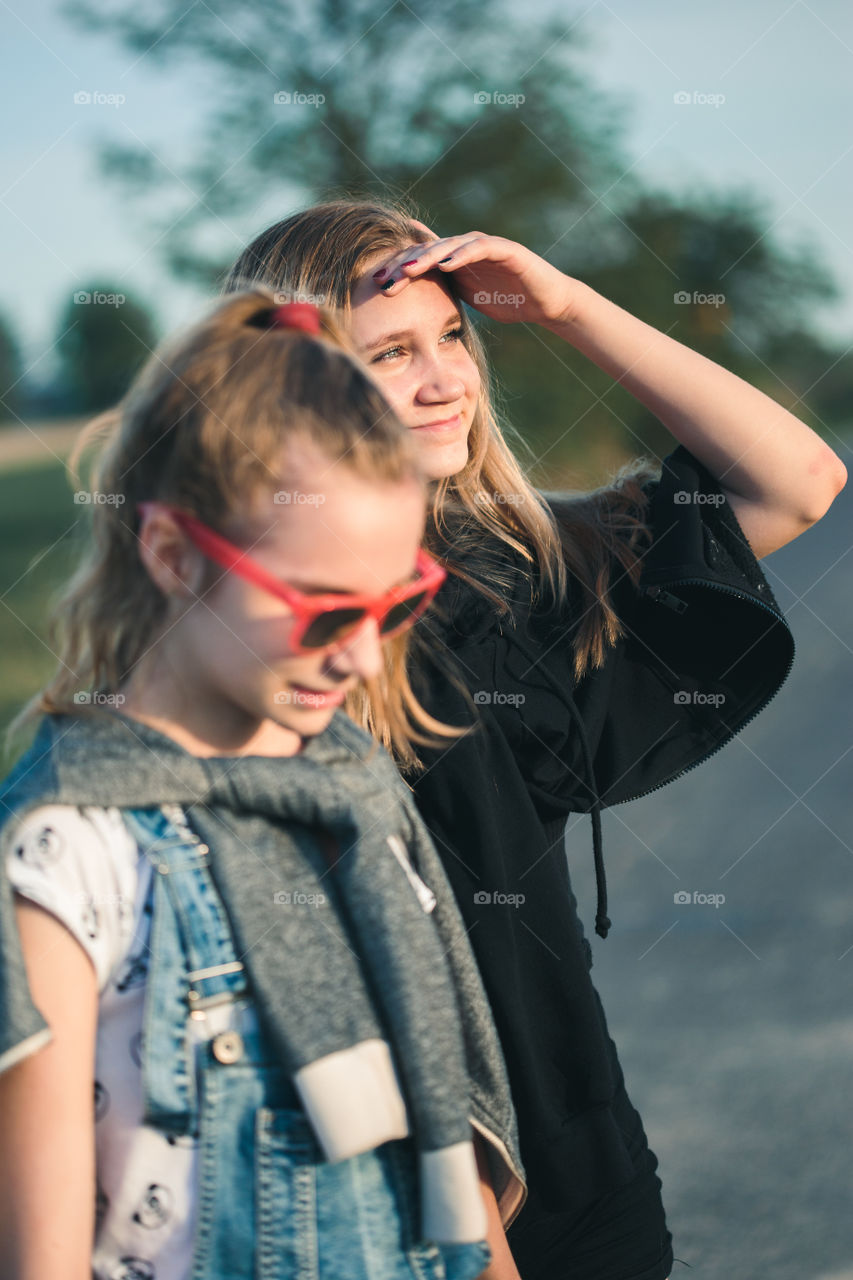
column 410, row 264
column 377, row 275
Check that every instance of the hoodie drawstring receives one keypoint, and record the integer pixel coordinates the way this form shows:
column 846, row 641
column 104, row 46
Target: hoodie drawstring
column 602, row 922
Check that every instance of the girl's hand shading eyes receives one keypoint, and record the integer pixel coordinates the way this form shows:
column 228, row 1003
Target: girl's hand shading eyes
column 496, row 276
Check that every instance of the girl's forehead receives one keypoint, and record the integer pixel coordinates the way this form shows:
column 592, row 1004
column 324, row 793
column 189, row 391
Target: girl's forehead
column 343, row 530
column 426, row 301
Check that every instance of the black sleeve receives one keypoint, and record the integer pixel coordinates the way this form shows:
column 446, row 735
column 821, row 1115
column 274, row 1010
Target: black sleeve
column 705, row 649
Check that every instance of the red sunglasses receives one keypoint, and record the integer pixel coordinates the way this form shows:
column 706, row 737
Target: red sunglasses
column 322, row 621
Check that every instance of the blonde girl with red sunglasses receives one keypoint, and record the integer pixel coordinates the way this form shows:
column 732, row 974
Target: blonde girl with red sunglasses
column 241, row 1032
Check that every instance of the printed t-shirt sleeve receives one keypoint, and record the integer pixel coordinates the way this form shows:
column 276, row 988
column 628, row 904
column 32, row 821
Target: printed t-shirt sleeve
column 705, row 648
column 79, row 864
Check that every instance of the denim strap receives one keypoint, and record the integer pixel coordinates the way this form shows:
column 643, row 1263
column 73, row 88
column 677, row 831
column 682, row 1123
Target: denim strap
column 192, row 964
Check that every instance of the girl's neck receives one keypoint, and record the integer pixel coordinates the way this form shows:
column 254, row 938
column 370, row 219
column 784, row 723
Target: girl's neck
column 198, row 721
column 269, row 740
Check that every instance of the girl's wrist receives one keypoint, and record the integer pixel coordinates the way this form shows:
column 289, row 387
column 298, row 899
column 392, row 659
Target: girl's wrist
column 568, row 315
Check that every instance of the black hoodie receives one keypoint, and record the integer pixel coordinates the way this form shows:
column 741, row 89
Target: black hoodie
column 706, row 648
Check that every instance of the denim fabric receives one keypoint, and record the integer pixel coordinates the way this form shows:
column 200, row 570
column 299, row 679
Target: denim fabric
column 269, row 1206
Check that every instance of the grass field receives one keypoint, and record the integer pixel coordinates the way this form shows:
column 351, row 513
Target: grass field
column 38, row 523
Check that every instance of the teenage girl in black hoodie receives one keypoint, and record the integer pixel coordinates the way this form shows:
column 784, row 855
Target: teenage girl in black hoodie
column 601, row 643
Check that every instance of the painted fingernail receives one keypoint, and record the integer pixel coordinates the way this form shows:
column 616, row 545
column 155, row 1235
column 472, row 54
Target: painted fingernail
column 388, row 283
column 447, row 259
column 410, row 264
column 377, row 275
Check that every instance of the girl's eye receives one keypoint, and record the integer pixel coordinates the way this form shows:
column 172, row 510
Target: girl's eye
column 386, row 355
column 456, row 335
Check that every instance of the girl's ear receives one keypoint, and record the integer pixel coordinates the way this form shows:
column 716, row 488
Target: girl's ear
column 174, row 565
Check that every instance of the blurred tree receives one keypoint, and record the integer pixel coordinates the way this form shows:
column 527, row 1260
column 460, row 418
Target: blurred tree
column 477, row 111
column 11, row 373
column 372, row 99
column 702, row 271
column 103, row 337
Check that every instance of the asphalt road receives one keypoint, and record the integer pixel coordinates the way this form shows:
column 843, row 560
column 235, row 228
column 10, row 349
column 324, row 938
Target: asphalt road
column 734, row 1021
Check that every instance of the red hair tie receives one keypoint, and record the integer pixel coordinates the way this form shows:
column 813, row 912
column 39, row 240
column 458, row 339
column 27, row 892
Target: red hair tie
column 296, row 315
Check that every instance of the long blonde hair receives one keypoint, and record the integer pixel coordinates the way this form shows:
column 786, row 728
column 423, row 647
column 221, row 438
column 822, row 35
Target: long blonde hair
column 203, row 427
column 324, row 250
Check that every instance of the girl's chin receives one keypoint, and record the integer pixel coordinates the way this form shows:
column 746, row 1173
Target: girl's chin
column 306, row 721
column 442, row 458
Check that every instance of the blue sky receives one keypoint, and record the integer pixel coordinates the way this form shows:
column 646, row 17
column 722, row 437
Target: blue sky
column 781, row 75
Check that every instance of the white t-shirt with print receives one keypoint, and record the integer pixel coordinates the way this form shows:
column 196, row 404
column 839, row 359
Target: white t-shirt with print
column 83, row 865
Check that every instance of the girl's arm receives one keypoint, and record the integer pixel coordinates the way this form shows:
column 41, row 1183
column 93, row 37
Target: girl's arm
column 502, row 1265
column 778, row 475
column 47, row 1122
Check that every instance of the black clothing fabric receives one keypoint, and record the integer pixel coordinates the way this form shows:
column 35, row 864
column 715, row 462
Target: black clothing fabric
column 705, row 649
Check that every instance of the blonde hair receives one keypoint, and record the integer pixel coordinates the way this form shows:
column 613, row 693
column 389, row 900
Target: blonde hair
column 324, row 250
column 203, row 427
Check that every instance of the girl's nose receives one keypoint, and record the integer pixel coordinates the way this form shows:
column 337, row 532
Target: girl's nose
column 439, row 385
column 361, row 652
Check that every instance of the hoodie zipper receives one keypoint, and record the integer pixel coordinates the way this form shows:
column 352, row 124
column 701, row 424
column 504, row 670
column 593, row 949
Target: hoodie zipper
column 671, row 601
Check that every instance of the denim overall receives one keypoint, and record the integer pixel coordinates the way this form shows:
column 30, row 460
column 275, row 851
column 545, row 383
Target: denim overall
column 269, row 1206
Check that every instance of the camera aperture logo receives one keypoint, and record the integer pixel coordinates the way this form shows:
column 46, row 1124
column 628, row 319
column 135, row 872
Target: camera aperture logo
column 682, row 898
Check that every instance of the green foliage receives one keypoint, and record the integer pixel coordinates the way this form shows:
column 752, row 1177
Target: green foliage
column 390, row 107
column 38, row 524
column 102, row 339
column 10, row 373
